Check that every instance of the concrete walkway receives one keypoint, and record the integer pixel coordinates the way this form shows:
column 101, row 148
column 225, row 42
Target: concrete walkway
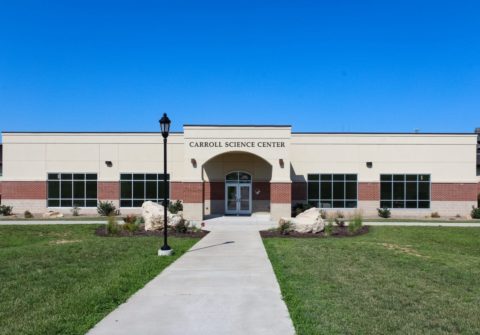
column 224, row 285
column 424, row 224
column 45, row 222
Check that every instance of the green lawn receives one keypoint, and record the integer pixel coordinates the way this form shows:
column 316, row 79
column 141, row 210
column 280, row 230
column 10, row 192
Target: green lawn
column 401, row 280
column 57, row 279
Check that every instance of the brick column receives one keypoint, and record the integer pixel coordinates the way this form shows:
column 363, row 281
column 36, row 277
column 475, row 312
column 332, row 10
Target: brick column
column 280, row 199
column 193, row 200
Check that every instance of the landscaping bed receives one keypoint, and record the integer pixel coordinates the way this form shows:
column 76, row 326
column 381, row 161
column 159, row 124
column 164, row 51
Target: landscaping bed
column 337, row 232
column 102, row 231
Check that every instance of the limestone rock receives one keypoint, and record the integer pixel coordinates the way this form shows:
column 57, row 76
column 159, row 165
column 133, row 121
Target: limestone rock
column 309, row 221
column 152, row 214
column 52, row 215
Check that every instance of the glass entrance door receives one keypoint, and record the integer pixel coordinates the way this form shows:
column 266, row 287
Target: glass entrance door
column 238, row 199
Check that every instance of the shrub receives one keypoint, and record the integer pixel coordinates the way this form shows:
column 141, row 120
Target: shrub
column 130, row 218
column 285, row 227
column 356, row 223
column 182, row 227
column 75, row 211
column 435, row 215
column 106, row 208
column 113, row 228
column 27, row 215
column 175, row 207
column 475, row 212
column 329, row 227
column 384, row 212
column 340, row 215
column 6, row 210
column 323, row 214
column 299, row 208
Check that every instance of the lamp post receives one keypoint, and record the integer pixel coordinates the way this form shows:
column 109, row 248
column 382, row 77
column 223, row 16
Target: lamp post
column 165, row 250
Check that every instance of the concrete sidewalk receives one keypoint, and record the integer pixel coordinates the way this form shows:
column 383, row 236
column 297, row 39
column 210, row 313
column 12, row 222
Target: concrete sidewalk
column 46, row 222
column 423, row 224
column 224, row 285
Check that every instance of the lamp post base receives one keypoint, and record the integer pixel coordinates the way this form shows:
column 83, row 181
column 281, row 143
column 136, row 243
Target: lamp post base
column 168, row 252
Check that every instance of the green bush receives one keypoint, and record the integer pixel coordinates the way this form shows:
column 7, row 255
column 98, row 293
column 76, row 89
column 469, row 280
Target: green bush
column 356, row 223
column 384, row 212
column 130, row 218
column 175, row 207
column 329, row 227
column 75, row 211
column 113, row 228
column 285, row 227
column 6, row 210
column 340, row 219
column 106, row 208
column 27, row 215
column 475, row 212
column 182, row 227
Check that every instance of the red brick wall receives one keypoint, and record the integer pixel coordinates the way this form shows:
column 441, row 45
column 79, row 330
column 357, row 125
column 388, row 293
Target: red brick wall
column 299, row 191
column 280, row 193
column 454, row 192
column 368, row 191
column 263, row 187
column 214, row 190
column 176, row 190
column 24, row 190
column 108, row 190
column 193, row 192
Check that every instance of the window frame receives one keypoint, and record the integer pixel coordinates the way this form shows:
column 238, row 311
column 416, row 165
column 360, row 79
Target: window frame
column 132, row 180
column 405, row 182
column 72, row 198
column 333, row 179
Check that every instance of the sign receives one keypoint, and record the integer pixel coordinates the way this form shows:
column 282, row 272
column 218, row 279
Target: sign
column 236, row 144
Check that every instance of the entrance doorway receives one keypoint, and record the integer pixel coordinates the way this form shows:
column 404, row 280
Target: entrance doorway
column 238, row 193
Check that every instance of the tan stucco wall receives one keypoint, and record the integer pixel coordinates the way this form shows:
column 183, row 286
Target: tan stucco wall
column 30, row 156
column 447, row 157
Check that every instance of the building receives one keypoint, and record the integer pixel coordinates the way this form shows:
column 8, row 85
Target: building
column 242, row 170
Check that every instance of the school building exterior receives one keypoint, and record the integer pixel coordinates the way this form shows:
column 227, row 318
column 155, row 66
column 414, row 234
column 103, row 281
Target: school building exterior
column 242, row 170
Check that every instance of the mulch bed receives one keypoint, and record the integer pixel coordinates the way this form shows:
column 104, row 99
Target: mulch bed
column 102, row 231
column 337, row 232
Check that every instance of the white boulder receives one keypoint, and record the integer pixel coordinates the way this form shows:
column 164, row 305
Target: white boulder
column 152, row 214
column 309, row 221
column 52, row 215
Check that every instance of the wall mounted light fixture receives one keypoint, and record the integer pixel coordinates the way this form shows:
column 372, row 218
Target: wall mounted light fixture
column 194, row 162
column 109, row 163
column 281, row 162
column 369, row 165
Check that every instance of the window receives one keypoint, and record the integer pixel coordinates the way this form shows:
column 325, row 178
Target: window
column 405, row 191
column 72, row 189
column 238, row 177
column 136, row 188
column 332, row 190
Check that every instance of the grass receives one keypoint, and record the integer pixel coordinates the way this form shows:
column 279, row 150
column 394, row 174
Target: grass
column 394, row 280
column 57, row 279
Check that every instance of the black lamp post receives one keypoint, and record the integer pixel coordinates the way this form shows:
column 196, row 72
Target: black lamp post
column 165, row 250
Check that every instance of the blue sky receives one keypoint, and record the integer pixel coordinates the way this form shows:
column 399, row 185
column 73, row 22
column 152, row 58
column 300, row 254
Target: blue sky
column 318, row 65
